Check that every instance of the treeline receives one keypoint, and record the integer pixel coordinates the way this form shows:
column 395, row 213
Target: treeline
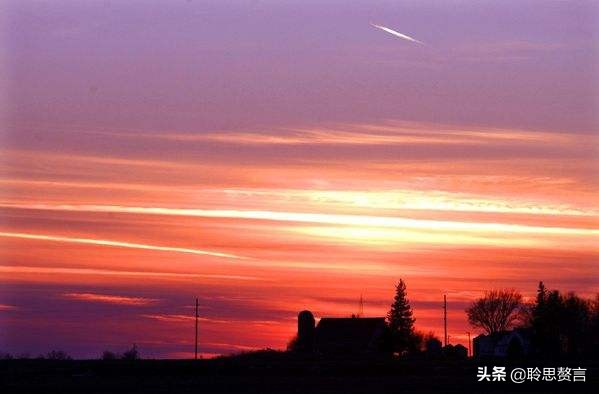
column 52, row 355
column 559, row 324
column 130, row 354
column 564, row 324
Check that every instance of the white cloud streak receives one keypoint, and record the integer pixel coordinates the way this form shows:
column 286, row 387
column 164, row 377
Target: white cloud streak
column 300, row 217
column 118, row 244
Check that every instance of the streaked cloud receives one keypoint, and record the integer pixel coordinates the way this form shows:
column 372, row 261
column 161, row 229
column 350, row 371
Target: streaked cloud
column 111, row 299
column 34, row 271
column 405, row 238
column 178, row 318
column 412, row 200
column 386, row 132
column 170, row 318
column 117, row 244
column 299, row 217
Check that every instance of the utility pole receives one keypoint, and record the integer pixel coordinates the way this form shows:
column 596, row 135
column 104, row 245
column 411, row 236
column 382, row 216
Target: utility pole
column 361, row 307
column 196, row 341
column 445, row 316
column 469, row 344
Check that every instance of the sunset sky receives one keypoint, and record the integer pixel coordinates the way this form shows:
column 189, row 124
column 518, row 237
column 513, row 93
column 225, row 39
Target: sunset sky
column 273, row 156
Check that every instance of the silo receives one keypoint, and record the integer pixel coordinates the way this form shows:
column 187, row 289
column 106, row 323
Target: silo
column 305, row 330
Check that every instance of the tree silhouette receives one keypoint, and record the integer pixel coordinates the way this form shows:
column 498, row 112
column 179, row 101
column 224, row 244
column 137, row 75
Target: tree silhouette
column 108, row 355
column 576, row 320
column 594, row 305
column 593, row 347
column 497, row 311
column 432, row 345
column 131, row 354
column 401, row 322
column 563, row 324
column 58, row 355
column 541, row 295
column 6, row 356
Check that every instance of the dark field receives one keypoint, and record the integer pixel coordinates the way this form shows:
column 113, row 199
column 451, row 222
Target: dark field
column 272, row 372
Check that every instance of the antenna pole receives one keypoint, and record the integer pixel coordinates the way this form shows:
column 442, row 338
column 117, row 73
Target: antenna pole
column 445, row 316
column 196, row 341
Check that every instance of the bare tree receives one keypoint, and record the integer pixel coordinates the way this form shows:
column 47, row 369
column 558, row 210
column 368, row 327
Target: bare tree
column 131, row 354
column 108, row 355
column 497, row 311
column 58, row 355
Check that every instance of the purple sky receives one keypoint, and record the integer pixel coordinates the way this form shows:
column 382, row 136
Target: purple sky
column 204, row 65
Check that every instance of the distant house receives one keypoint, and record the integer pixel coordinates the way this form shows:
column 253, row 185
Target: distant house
column 351, row 335
column 514, row 343
column 454, row 352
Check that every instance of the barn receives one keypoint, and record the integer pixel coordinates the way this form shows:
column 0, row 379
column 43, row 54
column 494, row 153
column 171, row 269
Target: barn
column 343, row 335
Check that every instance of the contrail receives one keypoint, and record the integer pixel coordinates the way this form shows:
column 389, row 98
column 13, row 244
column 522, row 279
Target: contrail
column 397, row 34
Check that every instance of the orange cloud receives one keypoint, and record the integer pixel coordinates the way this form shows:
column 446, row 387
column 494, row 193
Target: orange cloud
column 299, row 217
column 286, row 223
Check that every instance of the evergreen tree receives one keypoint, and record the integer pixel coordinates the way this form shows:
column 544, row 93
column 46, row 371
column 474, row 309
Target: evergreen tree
column 563, row 324
column 541, row 293
column 400, row 320
column 541, row 298
column 539, row 311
